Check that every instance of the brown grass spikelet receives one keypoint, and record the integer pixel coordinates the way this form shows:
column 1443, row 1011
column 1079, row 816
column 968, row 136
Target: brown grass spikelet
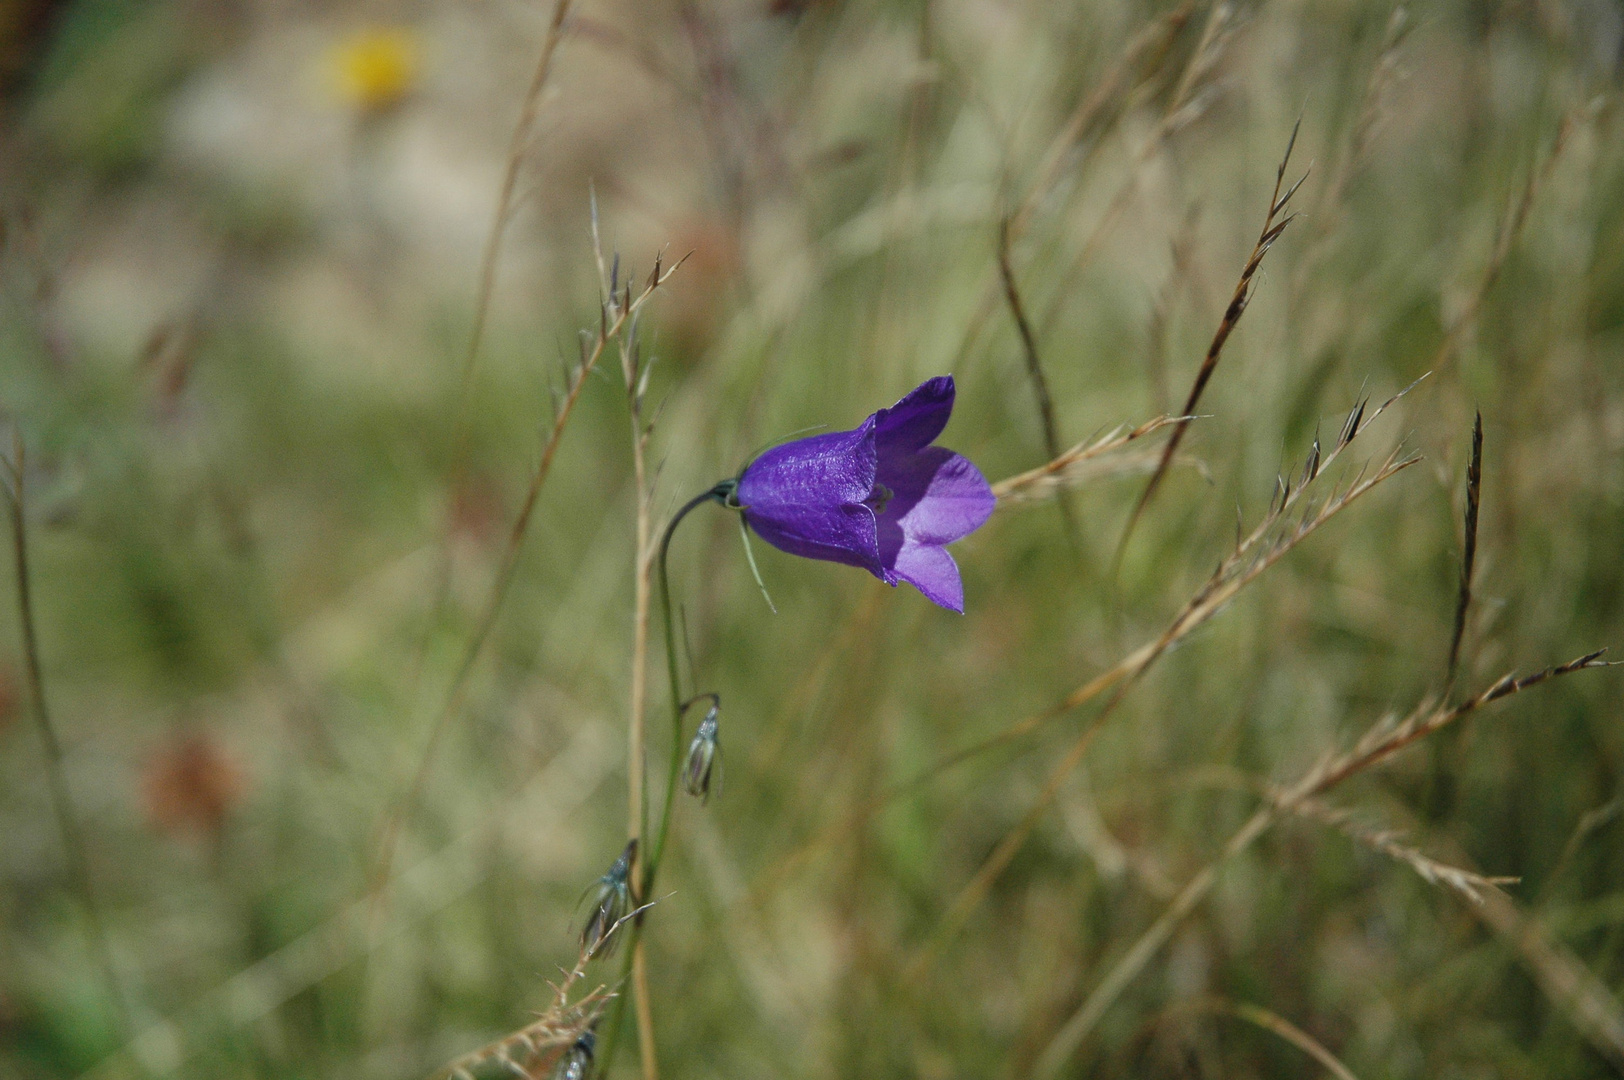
column 1474, row 496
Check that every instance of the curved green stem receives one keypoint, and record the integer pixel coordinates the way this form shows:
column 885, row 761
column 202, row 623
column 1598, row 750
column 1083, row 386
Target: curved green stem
column 651, row 861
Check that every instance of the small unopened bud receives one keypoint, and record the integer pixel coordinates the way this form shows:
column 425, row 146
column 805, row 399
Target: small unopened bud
column 577, row 1064
column 703, row 751
column 611, row 907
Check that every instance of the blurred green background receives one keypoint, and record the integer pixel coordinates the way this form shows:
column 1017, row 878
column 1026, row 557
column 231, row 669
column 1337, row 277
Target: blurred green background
column 241, row 265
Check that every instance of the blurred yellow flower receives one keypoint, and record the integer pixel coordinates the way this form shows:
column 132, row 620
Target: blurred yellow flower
column 376, row 67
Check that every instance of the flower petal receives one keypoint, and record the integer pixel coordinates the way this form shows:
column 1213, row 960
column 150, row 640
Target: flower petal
column 842, row 534
column 932, row 571
column 806, row 497
column 937, row 497
column 915, row 421
column 823, row 470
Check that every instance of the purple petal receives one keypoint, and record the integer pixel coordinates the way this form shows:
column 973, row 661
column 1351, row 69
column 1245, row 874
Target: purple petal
column 937, row 496
column 806, row 497
column 842, row 534
column 829, row 469
column 914, row 422
column 932, row 571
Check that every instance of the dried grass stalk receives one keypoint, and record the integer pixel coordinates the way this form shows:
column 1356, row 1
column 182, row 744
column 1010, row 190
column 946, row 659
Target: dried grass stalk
column 1070, row 467
column 523, row 130
column 1384, row 739
column 1273, row 226
column 67, row 815
column 1468, row 883
column 614, row 318
column 1272, row 1022
column 1068, row 151
column 533, row 1050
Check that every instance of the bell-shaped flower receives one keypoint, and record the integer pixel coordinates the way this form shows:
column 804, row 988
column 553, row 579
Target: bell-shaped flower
column 880, row 497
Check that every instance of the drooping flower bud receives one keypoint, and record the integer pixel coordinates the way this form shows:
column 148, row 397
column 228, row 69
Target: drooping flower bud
column 577, row 1064
column 703, row 750
column 611, row 907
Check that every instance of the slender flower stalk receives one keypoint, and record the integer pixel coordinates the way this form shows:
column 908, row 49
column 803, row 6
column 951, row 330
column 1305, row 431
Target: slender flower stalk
column 722, row 493
column 67, row 818
column 650, row 863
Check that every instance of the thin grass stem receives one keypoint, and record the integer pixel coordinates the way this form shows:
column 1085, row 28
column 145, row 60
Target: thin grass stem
column 67, row 818
column 634, row 375
column 522, row 133
column 1266, row 1019
column 1273, row 226
column 1034, row 373
column 610, row 327
column 651, row 861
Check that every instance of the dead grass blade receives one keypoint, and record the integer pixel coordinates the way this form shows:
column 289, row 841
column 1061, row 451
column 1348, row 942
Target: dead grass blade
column 1384, row 739
column 1154, row 39
column 1034, row 373
column 1029, row 345
column 1065, row 467
column 1273, row 226
column 67, row 816
column 1093, row 114
column 1375, row 107
column 616, row 315
column 1194, row 96
column 1275, row 1024
column 1511, row 229
column 522, row 133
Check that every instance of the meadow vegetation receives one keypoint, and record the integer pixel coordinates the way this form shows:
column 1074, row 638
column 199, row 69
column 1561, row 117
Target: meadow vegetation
column 353, row 360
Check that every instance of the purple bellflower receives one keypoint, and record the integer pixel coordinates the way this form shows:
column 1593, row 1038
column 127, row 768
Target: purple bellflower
column 880, row 497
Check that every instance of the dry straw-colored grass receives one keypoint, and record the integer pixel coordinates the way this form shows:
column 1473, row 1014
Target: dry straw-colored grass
column 918, row 866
